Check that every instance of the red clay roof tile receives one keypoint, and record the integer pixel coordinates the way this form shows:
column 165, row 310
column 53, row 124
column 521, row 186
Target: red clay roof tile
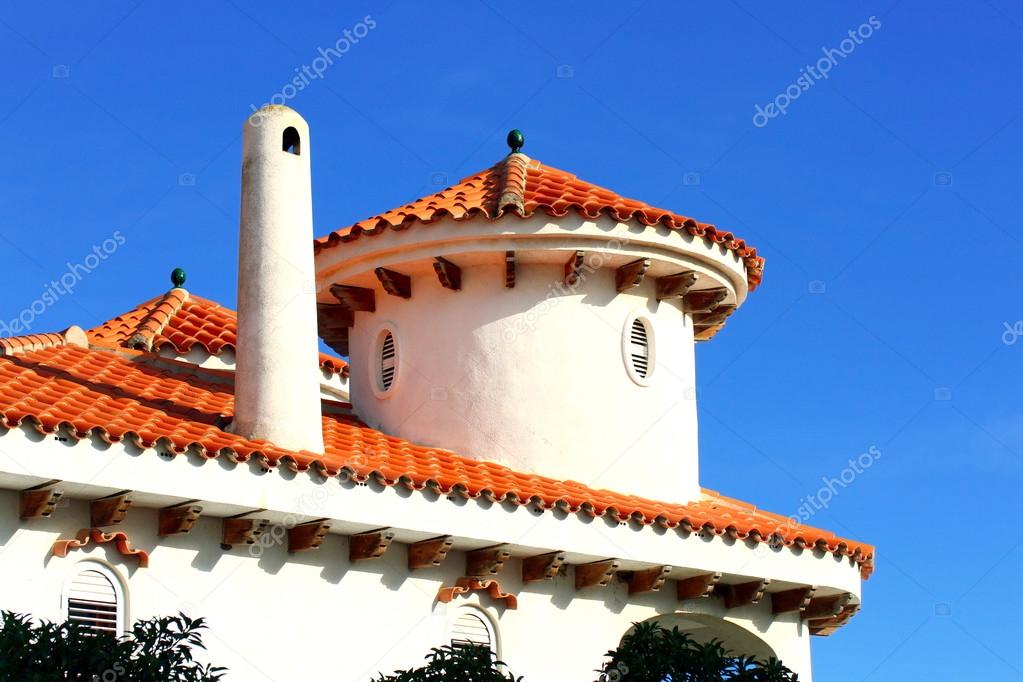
column 116, row 397
column 182, row 321
column 523, row 187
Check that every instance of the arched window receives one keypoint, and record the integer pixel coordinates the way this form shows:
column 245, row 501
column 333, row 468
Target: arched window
column 94, row 597
column 292, row 141
column 471, row 627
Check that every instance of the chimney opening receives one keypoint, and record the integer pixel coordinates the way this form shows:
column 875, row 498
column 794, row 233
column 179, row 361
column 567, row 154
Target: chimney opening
column 291, row 141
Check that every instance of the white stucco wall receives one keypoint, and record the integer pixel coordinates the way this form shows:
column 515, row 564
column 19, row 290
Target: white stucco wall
column 534, row 377
column 314, row 616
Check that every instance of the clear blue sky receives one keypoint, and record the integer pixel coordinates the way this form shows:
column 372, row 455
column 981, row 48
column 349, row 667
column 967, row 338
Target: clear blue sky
column 886, row 201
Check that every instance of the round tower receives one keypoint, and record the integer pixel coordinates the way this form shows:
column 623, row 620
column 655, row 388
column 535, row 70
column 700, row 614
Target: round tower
column 277, row 398
column 526, row 317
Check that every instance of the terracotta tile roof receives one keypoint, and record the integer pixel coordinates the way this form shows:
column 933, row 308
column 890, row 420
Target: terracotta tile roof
column 116, row 397
column 521, row 186
column 181, row 321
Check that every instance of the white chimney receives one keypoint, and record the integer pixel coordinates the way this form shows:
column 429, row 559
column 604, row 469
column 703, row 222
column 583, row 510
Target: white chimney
column 277, row 392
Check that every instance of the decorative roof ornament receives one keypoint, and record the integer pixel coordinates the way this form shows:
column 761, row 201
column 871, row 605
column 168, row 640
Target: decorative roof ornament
column 178, row 277
column 516, row 140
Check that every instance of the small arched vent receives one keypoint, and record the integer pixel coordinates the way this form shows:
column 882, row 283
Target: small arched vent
column 639, row 351
column 388, row 361
column 291, row 141
column 92, row 602
column 469, row 629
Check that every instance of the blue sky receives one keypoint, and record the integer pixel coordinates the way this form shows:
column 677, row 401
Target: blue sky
column 885, row 200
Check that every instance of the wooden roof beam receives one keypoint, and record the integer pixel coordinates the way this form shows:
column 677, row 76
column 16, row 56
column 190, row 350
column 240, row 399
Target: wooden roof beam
column 485, row 562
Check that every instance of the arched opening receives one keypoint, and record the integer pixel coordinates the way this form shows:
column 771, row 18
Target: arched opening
column 93, row 597
column 291, row 141
column 642, row 642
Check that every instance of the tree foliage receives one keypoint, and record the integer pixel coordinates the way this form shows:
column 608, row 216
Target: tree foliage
column 652, row 653
column 156, row 650
column 461, row 663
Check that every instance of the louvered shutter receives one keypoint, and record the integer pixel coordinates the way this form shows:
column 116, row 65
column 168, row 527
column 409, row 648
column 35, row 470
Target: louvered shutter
column 92, row 601
column 639, row 348
column 469, row 629
column 388, row 361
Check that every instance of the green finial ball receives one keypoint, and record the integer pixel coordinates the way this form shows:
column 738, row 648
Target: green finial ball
column 178, row 277
column 515, row 140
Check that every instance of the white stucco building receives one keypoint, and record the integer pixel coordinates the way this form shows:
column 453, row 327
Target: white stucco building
column 511, row 455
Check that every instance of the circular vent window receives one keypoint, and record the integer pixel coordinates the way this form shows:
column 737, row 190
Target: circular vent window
column 386, row 362
column 638, row 349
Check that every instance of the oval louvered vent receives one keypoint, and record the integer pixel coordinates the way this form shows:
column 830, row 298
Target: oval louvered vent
column 388, row 361
column 639, row 353
column 470, row 630
column 92, row 602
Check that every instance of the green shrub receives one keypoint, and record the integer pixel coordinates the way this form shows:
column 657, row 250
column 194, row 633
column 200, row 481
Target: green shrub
column 651, row 653
column 462, row 663
column 156, row 650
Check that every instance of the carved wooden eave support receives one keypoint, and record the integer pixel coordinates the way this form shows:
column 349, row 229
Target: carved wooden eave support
column 371, row 545
column 792, row 600
column 449, row 274
column 595, row 574
column 697, row 586
column 826, row 607
column 648, row 580
column 109, row 511
column 178, row 520
column 742, row 594
column 509, row 269
column 675, row 286
column 429, row 553
column 573, row 267
column 40, row 502
column 243, row 531
column 307, row 536
column 356, row 299
column 394, row 283
column 542, row 567
column 704, row 300
column 631, row 274
column 486, row 562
